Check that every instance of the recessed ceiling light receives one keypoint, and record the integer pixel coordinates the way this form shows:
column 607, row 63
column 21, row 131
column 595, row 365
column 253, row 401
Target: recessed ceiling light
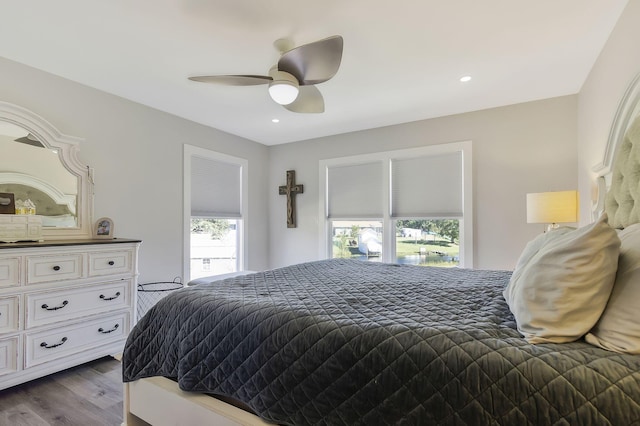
column 275, row 120
column 465, row 78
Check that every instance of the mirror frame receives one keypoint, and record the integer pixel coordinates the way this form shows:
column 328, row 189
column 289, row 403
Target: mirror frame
column 68, row 148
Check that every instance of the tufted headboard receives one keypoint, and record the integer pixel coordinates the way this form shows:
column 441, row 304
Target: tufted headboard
column 622, row 202
column 45, row 203
column 619, row 173
column 49, row 200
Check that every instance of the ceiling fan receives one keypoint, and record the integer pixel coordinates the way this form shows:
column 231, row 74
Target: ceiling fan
column 292, row 80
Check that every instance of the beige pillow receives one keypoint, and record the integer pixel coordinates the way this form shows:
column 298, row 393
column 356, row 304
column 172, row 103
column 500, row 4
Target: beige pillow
column 619, row 326
column 534, row 246
column 563, row 281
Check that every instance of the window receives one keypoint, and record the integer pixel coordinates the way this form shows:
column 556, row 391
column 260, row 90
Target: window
column 215, row 210
column 213, row 246
column 408, row 206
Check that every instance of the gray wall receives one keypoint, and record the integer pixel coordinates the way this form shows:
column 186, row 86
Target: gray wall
column 517, row 149
column 617, row 65
column 137, row 154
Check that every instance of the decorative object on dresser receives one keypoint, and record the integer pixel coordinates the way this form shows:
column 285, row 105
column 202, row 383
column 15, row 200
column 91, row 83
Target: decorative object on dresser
column 63, row 303
column 7, row 203
column 103, row 228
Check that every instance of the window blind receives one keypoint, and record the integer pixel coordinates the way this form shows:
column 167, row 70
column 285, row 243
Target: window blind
column 355, row 191
column 427, row 186
column 215, row 188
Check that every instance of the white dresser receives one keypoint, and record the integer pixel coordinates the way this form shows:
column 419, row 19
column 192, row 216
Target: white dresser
column 63, row 303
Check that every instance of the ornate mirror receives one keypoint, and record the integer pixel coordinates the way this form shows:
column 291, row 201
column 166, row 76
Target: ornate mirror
column 40, row 164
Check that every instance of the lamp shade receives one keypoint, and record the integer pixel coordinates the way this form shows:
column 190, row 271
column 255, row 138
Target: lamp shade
column 552, row 207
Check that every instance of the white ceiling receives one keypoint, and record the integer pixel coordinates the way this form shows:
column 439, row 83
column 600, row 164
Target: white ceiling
column 402, row 59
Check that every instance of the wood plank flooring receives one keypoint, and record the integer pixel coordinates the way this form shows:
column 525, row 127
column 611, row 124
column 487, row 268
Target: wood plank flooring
column 86, row 395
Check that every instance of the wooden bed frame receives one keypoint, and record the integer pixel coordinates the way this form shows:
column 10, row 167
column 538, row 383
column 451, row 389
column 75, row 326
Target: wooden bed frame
column 158, row 401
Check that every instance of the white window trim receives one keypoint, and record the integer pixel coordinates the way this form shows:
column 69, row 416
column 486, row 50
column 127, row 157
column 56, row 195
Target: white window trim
column 466, row 222
column 194, row 151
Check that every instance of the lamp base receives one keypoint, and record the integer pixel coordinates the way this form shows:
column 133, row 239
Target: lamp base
column 551, row 227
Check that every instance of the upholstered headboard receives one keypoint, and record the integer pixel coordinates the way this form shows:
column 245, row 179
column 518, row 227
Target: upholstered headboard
column 619, row 172
column 49, row 200
column 46, row 204
column 622, row 202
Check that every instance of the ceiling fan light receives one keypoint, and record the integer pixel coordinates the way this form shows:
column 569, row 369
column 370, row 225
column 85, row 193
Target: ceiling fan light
column 283, row 92
column 284, row 87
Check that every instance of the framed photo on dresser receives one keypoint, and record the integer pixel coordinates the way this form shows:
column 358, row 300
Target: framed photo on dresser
column 103, row 228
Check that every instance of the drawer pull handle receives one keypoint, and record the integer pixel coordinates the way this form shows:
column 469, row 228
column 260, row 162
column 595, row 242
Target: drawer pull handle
column 103, row 297
column 103, row 331
column 55, row 308
column 111, row 263
column 44, row 344
column 56, row 268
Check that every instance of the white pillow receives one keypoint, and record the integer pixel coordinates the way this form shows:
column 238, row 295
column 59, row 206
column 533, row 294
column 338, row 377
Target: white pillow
column 537, row 243
column 562, row 282
column 619, row 326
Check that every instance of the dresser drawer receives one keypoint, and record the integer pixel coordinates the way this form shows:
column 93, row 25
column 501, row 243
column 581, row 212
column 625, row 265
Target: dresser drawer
column 48, row 345
column 9, row 271
column 51, row 306
column 9, row 314
column 42, row 269
column 110, row 262
column 8, row 355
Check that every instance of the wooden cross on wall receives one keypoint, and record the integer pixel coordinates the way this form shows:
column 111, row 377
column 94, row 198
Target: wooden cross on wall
column 291, row 189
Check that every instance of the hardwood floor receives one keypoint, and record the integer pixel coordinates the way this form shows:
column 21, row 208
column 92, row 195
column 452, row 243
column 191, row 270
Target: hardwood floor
column 86, row 395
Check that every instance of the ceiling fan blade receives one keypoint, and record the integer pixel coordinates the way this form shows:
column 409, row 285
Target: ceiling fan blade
column 309, row 100
column 233, row 80
column 315, row 62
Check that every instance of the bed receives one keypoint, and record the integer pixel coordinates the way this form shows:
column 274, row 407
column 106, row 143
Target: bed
column 344, row 342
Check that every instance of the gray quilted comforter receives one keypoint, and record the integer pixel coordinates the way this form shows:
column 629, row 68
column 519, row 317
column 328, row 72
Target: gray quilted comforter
column 343, row 342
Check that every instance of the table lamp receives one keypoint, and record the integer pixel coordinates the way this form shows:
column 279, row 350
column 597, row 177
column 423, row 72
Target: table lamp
column 552, row 208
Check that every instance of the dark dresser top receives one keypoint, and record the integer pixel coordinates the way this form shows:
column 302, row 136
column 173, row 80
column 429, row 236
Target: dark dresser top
column 73, row 242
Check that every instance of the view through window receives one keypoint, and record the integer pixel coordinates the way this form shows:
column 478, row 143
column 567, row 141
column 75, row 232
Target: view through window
column 417, row 242
column 214, row 246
